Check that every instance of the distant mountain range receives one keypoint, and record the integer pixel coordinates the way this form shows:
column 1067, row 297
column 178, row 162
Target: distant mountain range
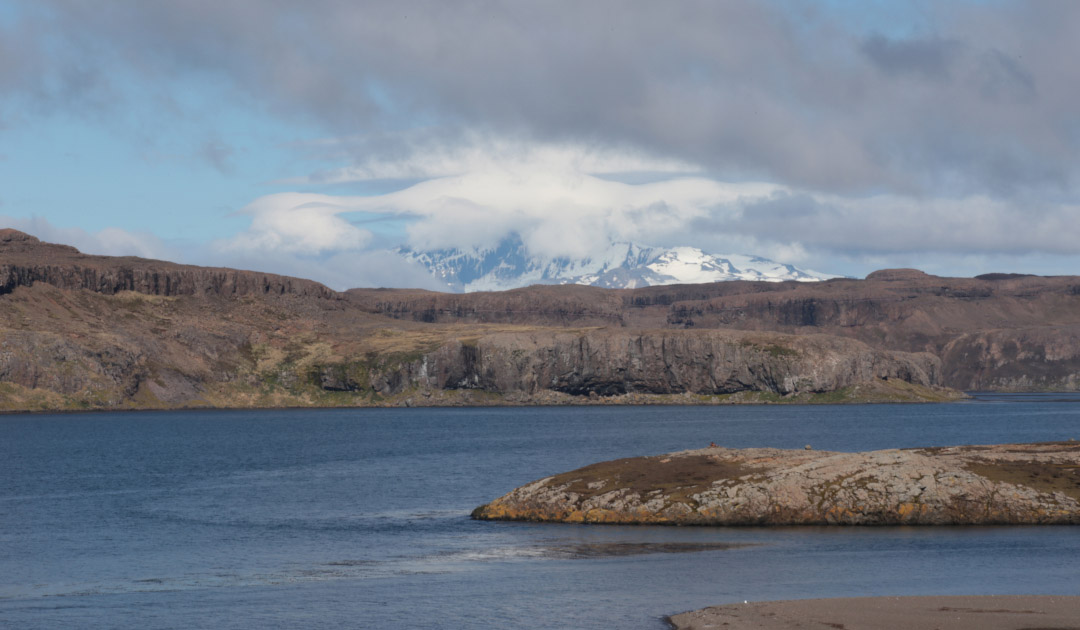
column 621, row 266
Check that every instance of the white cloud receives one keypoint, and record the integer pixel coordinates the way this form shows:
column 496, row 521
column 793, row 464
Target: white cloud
column 559, row 202
column 422, row 156
column 297, row 223
column 554, row 197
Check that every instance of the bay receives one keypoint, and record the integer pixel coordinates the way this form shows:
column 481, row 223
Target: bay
column 359, row 518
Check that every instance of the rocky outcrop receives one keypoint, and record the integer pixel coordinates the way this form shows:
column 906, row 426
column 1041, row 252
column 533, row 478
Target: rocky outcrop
column 962, row 485
column 24, row 260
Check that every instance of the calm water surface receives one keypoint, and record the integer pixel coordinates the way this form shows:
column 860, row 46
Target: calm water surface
column 359, row 518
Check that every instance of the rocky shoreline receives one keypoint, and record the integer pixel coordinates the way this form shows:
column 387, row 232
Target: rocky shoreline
column 962, row 485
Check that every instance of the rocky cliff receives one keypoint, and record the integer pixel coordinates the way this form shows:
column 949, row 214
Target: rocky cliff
column 997, row 331
column 80, row 331
column 615, row 361
column 78, row 349
column 963, row 485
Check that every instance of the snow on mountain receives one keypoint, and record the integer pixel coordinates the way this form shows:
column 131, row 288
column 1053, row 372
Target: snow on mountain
column 620, row 266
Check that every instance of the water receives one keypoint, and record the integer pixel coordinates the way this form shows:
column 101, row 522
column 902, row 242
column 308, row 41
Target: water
column 359, row 518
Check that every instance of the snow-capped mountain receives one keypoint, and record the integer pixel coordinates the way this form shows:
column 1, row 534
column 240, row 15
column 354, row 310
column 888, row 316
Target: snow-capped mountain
column 621, row 266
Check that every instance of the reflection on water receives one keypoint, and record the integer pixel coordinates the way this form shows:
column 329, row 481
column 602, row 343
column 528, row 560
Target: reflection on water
column 1051, row 397
column 342, row 518
column 597, row 550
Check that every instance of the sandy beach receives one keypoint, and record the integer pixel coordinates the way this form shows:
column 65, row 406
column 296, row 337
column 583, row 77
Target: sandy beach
column 996, row 612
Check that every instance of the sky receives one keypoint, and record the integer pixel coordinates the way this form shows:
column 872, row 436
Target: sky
column 308, row 138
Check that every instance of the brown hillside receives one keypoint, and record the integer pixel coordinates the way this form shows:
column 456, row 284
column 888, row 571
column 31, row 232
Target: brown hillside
column 998, row 331
column 80, row 331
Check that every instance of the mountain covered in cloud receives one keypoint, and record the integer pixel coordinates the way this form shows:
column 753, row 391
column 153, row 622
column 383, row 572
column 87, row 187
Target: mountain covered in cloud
column 621, row 266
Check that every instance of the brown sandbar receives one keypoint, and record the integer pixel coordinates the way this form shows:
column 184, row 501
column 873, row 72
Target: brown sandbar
column 990, row 612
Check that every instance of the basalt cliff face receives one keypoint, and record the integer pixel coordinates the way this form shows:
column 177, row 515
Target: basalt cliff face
column 610, row 362
column 998, row 331
column 963, row 485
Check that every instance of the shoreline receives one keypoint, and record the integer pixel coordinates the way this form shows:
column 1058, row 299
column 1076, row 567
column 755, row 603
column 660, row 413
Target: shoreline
column 861, row 394
column 943, row 612
column 475, row 405
column 481, row 400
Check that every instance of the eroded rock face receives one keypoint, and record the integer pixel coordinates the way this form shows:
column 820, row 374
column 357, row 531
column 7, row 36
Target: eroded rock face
column 619, row 361
column 962, row 485
column 996, row 331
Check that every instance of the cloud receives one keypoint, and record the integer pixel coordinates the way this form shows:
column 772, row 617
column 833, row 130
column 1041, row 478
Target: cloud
column 569, row 213
column 419, row 156
column 40, row 72
column 798, row 94
column 928, row 58
column 949, row 131
column 297, row 223
column 305, row 235
column 892, row 225
column 550, row 197
column 1002, row 78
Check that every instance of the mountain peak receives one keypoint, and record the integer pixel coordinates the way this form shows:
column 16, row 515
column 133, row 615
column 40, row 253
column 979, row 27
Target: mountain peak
column 622, row 265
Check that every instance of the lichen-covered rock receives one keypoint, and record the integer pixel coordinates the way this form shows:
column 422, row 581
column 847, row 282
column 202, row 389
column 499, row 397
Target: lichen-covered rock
column 962, row 485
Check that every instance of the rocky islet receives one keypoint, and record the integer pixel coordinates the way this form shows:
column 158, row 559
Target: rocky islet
column 962, row 485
